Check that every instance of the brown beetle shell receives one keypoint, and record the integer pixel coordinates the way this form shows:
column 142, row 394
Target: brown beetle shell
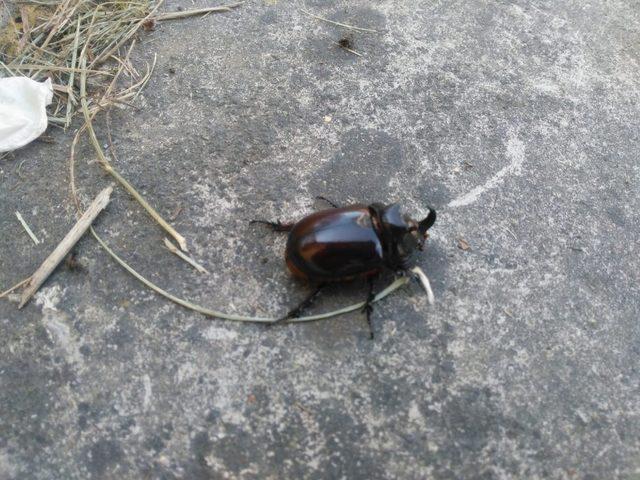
column 335, row 245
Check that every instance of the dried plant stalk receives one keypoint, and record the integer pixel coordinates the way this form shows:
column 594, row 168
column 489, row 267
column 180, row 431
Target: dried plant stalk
column 397, row 283
column 67, row 243
column 196, row 11
column 106, row 165
column 344, row 25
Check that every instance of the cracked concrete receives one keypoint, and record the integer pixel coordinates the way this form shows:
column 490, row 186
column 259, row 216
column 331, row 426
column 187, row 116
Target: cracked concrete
column 517, row 120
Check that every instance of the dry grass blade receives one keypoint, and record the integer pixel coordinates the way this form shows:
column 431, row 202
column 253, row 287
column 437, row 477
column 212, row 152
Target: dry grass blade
column 352, row 51
column 344, row 25
column 196, row 11
column 27, row 229
column 26, row 24
column 72, row 168
column 176, row 251
column 397, row 283
column 106, row 165
column 71, row 100
column 347, row 49
column 53, row 68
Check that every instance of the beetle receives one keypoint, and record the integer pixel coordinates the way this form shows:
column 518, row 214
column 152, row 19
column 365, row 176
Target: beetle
column 356, row 241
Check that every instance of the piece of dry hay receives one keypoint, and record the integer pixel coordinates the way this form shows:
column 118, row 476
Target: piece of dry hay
column 27, row 228
column 339, row 24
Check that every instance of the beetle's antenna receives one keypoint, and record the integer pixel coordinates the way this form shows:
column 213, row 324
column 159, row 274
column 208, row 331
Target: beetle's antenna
column 424, row 281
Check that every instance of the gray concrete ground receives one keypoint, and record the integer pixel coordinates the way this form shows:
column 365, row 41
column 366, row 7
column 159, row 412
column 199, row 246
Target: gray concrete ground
column 519, row 121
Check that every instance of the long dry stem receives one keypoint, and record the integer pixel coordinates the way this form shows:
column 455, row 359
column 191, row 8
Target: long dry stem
column 106, row 165
column 53, row 68
column 397, row 283
column 72, row 100
column 197, row 11
column 344, row 25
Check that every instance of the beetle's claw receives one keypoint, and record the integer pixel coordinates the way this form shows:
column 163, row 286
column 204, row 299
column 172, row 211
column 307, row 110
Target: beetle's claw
column 295, row 313
column 367, row 309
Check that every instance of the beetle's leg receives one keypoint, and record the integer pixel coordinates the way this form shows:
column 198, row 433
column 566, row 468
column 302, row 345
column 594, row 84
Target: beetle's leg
column 306, row 303
column 368, row 307
column 320, row 197
column 276, row 226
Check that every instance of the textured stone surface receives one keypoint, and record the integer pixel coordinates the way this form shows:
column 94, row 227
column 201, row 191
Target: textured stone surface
column 517, row 120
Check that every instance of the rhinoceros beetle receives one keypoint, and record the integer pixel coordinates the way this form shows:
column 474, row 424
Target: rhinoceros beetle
column 343, row 243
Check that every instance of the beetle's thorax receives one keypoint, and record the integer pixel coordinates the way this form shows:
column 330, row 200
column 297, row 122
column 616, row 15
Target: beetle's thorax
column 393, row 260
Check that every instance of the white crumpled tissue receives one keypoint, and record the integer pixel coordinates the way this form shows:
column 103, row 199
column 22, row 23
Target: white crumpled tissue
column 23, row 113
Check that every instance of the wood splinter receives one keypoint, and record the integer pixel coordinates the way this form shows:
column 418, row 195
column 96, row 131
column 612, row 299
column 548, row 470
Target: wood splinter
column 65, row 246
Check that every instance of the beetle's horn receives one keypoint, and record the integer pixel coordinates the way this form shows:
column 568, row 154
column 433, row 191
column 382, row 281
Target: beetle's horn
column 428, row 222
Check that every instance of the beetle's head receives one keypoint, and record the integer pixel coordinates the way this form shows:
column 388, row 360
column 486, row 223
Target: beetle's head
column 404, row 235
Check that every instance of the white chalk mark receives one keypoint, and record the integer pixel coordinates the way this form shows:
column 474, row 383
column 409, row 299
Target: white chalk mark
column 60, row 334
column 48, row 298
column 146, row 400
column 515, row 153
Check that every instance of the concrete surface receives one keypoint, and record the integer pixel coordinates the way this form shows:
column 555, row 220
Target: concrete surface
column 517, row 120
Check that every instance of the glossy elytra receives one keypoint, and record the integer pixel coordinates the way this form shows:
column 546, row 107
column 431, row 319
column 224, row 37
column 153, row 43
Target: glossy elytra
column 341, row 244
